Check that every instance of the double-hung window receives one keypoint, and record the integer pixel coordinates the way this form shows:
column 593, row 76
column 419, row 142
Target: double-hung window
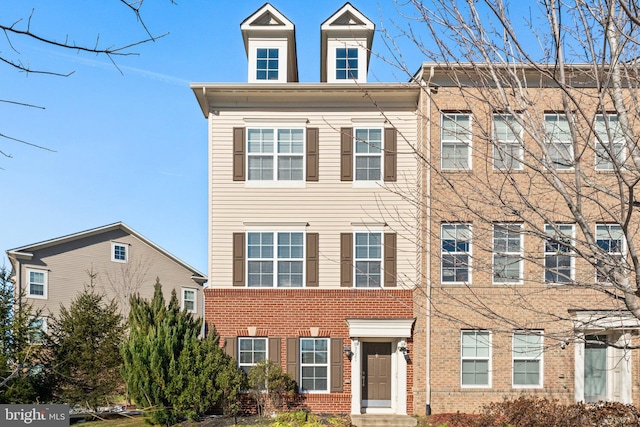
column 189, row 300
column 267, row 63
column 275, row 259
column 251, row 351
column 456, row 141
column 368, row 259
column 37, row 286
column 455, row 254
column 609, row 142
column 558, row 141
column 527, row 359
column 558, row 258
column 314, row 365
column 475, row 359
column 507, row 253
column 346, row 63
column 507, row 146
column 275, row 154
column 610, row 239
column 368, row 154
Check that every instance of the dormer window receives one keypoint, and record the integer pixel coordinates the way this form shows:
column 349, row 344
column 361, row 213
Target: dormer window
column 270, row 43
column 346, row 39
column 267, row 64
column 346, row 63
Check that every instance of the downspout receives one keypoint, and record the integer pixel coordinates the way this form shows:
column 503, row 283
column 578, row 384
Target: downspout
column 427, row 193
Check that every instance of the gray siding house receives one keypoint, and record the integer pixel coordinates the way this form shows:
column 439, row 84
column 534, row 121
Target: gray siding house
column 122, row 261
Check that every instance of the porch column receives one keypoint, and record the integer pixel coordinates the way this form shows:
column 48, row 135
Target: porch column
column 356, row 377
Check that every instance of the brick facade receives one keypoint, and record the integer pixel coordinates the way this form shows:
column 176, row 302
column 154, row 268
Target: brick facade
column 482, row 196
column 294, row 313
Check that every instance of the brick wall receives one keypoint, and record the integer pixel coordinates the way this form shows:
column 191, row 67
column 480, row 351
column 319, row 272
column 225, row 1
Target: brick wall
column 292, row 313
column 481, row 197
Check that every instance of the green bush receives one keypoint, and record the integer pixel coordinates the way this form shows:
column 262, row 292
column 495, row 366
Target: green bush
column 269, row 384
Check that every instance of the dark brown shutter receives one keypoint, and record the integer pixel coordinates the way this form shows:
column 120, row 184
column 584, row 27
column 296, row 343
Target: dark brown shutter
column 337, row 374
column 390, row 154
column 346, row 260
column 274, row 351
column 312, row 260
column 292, row 357
column 346, row 154
column 238, row 259
column 312, row 154
column 390, row 260
column 238, row 154
column 230, row 347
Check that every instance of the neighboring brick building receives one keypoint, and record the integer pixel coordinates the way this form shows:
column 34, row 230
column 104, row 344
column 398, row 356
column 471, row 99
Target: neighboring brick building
column 517, row 306
column 312, row 263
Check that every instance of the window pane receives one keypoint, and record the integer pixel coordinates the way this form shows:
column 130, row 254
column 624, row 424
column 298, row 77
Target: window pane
column 610, row 148
column 267, row 64
column 559, row 141
column 290, row 274
column 346, row 63
column 314, row 359
column 260, row 273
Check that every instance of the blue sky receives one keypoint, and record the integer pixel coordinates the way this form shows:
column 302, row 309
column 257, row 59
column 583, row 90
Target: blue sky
column 131, row 147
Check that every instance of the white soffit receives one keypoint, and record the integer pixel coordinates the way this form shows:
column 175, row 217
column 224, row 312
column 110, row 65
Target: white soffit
column 380, row 328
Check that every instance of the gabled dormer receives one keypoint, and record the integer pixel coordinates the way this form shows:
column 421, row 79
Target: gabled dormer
column 270, row 42
column 346, row 39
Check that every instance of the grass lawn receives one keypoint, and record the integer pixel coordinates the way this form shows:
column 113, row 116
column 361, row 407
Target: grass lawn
column 116, row 422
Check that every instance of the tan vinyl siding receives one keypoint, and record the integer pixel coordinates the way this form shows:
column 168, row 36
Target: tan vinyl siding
column 329, row 206
column 68, row 265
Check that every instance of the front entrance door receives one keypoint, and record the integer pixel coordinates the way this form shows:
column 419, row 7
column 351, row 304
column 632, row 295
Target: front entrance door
column 595, row 369
column 376, row 375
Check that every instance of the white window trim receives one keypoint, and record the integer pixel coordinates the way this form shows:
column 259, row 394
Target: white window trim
column 620, row 141
column 267, row 43
column 519, row 254
column 46, row 283
column 540, row 358
column 266, row 346
column 570, row 253
column 468, row 142
column 195, row 299
column 469, row 254
column 517, row 141
column 489, row 358
column 358, row 230
column 368, row 182
column 126, row 252
column 283, row 229
column 332, row 46
column 548, row 142
column 275, row 182
column 328, row 365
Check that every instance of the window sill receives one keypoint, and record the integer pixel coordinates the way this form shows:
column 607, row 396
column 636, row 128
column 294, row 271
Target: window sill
column 275, row 184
